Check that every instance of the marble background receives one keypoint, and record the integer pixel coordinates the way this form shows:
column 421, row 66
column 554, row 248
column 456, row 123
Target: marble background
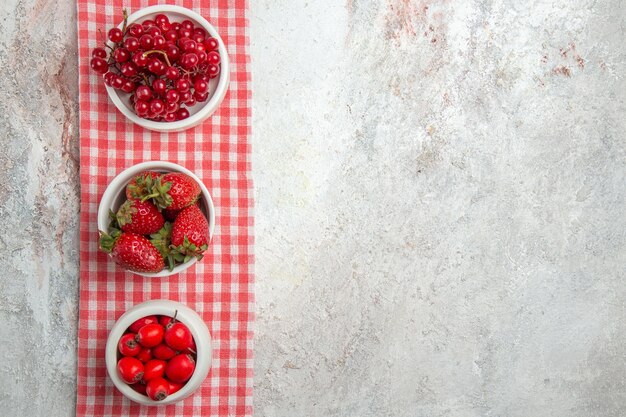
column 440, row 207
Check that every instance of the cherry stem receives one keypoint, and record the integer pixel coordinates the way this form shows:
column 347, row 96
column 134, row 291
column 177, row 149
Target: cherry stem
column 152, row 51
column 174, row 318
column 125, row 14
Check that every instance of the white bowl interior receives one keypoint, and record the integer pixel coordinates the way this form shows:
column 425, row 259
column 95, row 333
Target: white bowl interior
column 217, row 86
column 185, row 315
column 115, row 195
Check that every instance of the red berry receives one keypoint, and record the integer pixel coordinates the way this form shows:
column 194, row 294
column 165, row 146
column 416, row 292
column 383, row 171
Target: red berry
column 199, row 32
column 143, row 92
column 117, row 82
column 159, row 86
column 189, row 46
column 128, row 346
column 150, row 335
column 189, row 60
column 201, row 86
column 146, row 41
column 173, row 53
column 153, row 31
column 213, row 70
column 147, row 24
column 130, row 369
column 211, row 44
column 159, row 42
column 170, row 117
column 135, row 30
column 141, row 107
column 128, row 69
column 154, row 368
column 201, row 97
column 171, row 35
column 99, row 65
column 183, row 85
column 172, row 73
column 175, row 25
column 186, row 96
column 175, row 386
column 141, row 217
column 140, row 388
column 156, row 66
column 144, row 355
column 160, row 19
column 187, row 24
column 157, row 106
column 180, row 368
column 128, row 86
column 184, row 33
column 116, row 35
column 191, row 101
column 99, row 53
column 202, row 56
column 172, row 96
column 182, row 114
column 213, row 57
column 190, row 232
column 158, row 389
column 140, row 59
column 121, row 55
column 164, row 352
column 139, row 323
column 108, row 78
column 170, row 108
column 177, row 336
column 132, row 251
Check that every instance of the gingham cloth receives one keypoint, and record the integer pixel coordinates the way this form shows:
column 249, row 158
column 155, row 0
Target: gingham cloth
column 220, row 287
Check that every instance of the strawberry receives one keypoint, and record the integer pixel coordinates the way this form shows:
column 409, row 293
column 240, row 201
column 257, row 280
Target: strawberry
column 139, row 217
column 138, row 186
column 132, row 251
column 190, row 234
column 173, row 191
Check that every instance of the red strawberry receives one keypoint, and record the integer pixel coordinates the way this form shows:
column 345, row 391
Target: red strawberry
column 190, row 233
column 139, row 186
column 174, row 191
column 132, row 251
column 139, row 217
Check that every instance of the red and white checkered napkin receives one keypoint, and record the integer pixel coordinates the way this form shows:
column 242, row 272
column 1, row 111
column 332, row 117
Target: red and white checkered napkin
column 220, row 287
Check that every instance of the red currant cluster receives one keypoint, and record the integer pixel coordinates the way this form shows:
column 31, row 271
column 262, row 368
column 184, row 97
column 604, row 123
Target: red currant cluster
column 163, row 65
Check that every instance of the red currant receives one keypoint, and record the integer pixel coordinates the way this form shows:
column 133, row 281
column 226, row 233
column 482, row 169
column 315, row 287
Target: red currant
column 189, row 60
column 143, row 93
column 211, row 44
column 213, row 57
column 172, row 73
column 159, row 86
column 156, row 66
column 172, row 96
column 173, row 53
column 183, row 85
column 182, row 114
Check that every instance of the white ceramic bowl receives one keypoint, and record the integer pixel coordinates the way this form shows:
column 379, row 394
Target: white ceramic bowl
column 217, row 86
column 185, row 315
column 115, row 195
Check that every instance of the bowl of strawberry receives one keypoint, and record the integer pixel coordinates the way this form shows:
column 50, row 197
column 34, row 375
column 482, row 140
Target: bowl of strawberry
column 156, row 219
column 165, row 67
column 158, row 352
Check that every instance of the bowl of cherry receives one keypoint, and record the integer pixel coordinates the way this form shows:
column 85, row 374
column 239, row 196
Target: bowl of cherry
column 164, row 67
column 158, row 352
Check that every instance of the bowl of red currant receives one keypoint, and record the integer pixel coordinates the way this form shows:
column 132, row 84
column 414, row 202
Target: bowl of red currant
column 164, row 67
column 158, row 352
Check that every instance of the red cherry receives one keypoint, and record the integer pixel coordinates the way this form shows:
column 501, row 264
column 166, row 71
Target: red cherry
column 141, row 107
column 171, row 35
column 213, row 57
column 128, row 69
column 99, row 53
column 187, row 24
column 146, row 41
column 183, row 85
column 128, row 86
column 116, row 35
column 140, row 59
column 147, row 24
column 144, row 93
column 213, row 70
column 135, row 30
column 199, row 32
column 211, row 44
column 173, row 53
column 131, row 43
column 172, row 73
column 172, row 96
column 182, row 114
column 153, row 31
column 99, row 65
column 157, row 107
column 201, row 86
column 159, row 86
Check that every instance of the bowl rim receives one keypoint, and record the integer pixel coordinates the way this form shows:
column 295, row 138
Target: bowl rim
column 188, row 317
column 218, row 95
column 119, row 182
